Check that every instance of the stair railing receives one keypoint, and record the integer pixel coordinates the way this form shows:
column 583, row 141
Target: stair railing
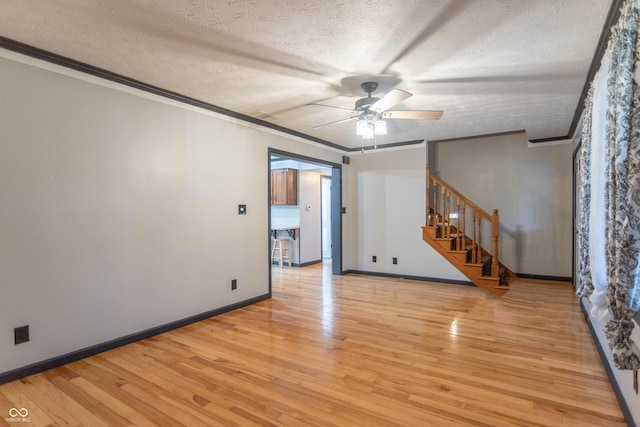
column 451, row 212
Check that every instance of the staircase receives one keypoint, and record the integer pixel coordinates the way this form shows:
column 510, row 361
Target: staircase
column 460, row 231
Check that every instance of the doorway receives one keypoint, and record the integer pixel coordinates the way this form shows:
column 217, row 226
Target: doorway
column 328, row 185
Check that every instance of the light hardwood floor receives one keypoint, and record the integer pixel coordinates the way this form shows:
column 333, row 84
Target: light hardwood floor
column 346, row 351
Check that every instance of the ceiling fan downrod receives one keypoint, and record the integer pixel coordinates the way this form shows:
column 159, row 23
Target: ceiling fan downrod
column 364, row 104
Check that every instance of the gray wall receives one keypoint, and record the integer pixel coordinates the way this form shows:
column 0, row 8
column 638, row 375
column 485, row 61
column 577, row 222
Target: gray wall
column 119, row 209
column 531, row 187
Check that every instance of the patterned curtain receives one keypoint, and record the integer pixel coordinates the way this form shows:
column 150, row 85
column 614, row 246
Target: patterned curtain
column 598, row 178
column 585, row 284
column 622, row 196
column 622, row 189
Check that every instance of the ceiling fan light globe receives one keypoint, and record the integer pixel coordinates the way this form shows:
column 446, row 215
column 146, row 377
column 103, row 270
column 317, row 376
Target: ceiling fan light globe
column 380, row 127
column 363, row 128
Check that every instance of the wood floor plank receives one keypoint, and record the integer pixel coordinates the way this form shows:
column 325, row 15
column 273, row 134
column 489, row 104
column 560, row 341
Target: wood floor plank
column 48, row 406
column 347, row 350
column 21, row 400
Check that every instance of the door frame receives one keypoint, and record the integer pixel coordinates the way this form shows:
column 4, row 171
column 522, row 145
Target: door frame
column 324, row 178
column 336, row 205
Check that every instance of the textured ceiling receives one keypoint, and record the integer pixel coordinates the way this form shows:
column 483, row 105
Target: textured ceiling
column 492, row 66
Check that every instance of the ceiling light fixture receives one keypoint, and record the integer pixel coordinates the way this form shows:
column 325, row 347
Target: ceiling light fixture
column 364, row 129
column 369, row 127
column 380, row 127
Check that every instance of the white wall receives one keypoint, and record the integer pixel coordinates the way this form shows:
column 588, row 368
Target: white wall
column 623, row 378
column 118, row 209
column 531, row 187
column 310, row 225
column 385, row 215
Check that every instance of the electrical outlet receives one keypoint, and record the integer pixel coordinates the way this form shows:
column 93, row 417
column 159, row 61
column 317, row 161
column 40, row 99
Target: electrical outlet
column 374, row 259
column 395, row 260
column 21, row 334
column 234, row 284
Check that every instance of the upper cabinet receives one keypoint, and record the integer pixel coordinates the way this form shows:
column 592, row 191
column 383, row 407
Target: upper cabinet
column 284, row 187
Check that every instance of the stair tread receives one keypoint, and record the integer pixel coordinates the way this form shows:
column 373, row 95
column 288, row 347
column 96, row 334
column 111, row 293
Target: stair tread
column 471, row 264
column 489, row 278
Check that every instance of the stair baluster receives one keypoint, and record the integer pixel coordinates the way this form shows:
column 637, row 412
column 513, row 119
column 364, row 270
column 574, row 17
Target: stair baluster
column 474, row 259
column 434, row 215
column 448, row 202
column 495, row 230
column 463, row 233
column 479, row 252
column 443, row 232
column 427, row 219
column 458, row 233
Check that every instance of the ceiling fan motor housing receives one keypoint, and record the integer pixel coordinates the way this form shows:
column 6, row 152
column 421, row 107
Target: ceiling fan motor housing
column 364, row 103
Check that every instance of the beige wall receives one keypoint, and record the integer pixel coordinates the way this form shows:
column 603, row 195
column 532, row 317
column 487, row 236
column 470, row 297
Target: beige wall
column 119, row 209
column 531, row 187
column 387, row 210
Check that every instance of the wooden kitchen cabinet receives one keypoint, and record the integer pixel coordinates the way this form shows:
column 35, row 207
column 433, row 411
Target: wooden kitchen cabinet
column 284, row 187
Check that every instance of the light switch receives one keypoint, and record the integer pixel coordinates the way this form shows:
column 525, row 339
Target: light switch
column 242, row 209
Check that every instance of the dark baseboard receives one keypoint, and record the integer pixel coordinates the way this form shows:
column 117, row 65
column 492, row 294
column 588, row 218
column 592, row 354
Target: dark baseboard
column 295, row 264
column 542, row 277
column 54, row 362
column 612, row 378
column 277, row 264
column 305, row 264
column 409, row 277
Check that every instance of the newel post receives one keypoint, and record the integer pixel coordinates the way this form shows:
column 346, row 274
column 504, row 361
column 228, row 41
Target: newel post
column 495, row 232
column 428, row 197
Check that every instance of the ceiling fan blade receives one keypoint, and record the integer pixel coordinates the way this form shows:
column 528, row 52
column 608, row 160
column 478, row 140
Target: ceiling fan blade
column 414, row 115
column 395, row 96
column 332, row 106
column 336, row 122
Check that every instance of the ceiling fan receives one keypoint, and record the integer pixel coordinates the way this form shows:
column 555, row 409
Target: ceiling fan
column 372, row 111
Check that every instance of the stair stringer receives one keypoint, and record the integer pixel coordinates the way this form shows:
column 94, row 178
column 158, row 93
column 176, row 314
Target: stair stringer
column 458, row 259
